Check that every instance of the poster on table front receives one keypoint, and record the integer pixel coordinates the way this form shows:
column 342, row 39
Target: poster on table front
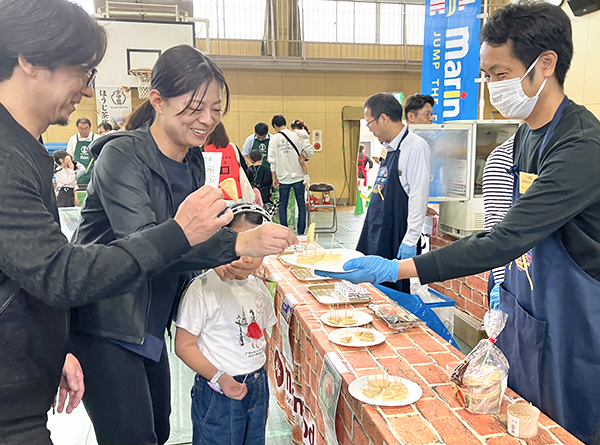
column 451, row 58
column 285, row 318
column 330, row 384
column 113, row 104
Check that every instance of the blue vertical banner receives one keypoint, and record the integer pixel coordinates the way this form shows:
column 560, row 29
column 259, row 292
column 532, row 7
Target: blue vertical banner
column 451, row 58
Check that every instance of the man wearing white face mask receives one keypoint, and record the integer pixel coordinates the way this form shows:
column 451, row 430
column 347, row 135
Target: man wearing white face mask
column 508, row 95
column 550, row 238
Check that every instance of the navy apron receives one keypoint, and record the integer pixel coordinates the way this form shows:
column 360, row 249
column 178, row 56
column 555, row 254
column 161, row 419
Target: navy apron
column 386, row 220
column 552, row 336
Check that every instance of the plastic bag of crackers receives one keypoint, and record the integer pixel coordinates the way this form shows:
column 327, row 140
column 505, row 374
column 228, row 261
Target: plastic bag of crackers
column 480, row 379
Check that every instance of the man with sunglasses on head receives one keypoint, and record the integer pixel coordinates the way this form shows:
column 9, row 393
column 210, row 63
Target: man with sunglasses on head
column 48, row 53
column 550, row 238
column 394, row 220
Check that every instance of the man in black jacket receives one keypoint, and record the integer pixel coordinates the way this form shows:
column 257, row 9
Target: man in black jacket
column 550, row 237
column 48, row 53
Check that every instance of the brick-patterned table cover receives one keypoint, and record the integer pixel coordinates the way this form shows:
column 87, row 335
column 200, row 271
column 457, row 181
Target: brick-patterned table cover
column 417, row 354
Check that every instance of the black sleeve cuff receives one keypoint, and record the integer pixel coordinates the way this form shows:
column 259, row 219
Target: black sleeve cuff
column 214, row 252
column 217, row 250
column 427, row 268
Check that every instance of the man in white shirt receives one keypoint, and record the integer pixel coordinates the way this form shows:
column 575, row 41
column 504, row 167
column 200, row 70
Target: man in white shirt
column 257, row 141
column 285, row 148
column 399, row 199
column 418, row 109
column 78, row 145
column 84, row 134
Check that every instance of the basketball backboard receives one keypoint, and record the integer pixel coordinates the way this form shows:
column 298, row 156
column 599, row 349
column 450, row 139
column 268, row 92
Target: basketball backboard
column 138, row 44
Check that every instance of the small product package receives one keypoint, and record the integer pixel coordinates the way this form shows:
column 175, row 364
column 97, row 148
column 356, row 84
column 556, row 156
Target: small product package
column 396, row 316
column 350, row 291
column 481, row 378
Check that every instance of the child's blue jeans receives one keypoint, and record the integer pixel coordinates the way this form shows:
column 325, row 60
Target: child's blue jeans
column 219, row 420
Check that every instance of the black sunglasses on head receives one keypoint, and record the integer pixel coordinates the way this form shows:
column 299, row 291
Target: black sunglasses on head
column 91, row 76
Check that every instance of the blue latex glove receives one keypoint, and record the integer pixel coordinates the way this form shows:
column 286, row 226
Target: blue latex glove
column 369, row 269
column 495, row 296
column 405, row 251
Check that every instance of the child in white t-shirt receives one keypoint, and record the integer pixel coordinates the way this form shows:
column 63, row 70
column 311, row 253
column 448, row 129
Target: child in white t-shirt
column 220, row 335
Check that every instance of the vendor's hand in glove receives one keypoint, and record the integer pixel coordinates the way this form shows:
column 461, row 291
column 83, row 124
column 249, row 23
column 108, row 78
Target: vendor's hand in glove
column 405, row 251
column 495, row 296
column 369, row 269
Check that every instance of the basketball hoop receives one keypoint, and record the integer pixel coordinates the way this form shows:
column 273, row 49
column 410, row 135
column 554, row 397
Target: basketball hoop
column 144, row 77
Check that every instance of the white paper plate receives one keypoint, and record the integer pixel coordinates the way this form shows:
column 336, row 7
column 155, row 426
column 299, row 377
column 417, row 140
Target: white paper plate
column 414, row 393
column 328, row 266
column 334, row 336
column 361, row 318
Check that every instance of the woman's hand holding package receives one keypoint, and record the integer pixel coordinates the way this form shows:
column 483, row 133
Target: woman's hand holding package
column 198, row 215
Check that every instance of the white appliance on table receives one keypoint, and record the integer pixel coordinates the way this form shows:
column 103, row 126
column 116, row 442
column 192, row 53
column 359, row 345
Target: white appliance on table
column 458, row 153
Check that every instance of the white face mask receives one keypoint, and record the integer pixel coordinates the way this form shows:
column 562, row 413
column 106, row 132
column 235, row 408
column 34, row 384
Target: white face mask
column 509, row 98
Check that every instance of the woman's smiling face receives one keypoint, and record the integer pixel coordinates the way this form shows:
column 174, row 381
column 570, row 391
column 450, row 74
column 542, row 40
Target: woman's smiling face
column 191, row 127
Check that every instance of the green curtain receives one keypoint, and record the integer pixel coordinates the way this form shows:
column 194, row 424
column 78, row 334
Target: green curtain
column 277, row 14
column 295, row 29
column 267, row 47
column 351, row 117
column 351, row 142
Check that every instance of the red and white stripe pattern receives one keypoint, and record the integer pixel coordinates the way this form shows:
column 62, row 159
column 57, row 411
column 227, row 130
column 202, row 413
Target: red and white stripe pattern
column 438, row 7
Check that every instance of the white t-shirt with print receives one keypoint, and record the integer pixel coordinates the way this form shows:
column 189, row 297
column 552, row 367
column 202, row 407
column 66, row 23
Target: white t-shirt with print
column 284, row 158
column 229, row 319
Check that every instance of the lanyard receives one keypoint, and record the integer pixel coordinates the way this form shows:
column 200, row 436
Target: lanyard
column 553, row 124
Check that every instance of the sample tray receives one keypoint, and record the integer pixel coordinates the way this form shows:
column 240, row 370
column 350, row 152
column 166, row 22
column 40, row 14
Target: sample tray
column 304, row 274
column 326, row 294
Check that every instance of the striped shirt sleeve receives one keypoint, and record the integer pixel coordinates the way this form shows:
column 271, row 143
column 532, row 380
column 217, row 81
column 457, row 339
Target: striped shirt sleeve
column 497, row 190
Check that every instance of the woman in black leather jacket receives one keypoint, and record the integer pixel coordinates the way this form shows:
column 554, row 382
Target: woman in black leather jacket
column 140, row 178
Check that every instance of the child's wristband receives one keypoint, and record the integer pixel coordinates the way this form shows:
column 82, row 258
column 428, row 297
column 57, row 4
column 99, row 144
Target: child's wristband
column 214, row 384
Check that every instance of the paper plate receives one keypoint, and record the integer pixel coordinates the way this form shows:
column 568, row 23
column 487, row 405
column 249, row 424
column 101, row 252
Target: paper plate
column 328, row 266
column 414, row 393
column 361, row 318
column 334, row 337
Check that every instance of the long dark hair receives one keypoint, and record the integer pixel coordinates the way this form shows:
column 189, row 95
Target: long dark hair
column 297, row 124
column 219, row 137
column 58, row 156
column 179, row 70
